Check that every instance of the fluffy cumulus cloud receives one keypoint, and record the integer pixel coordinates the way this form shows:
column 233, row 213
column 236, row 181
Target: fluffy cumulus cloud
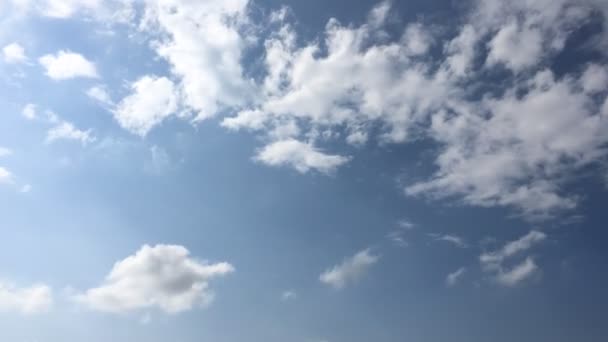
column 493, row 263
column 152, row 100
column 30, row 300
column 203, row 45
column 66, row 64
column 510, row 147
column 512, row 143
column 350, row 270
column 14, row 53
column 299, row 155
column 165, row 277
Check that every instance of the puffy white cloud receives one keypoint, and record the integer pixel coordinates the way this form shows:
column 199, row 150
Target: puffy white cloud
column 595, row 79
column 29, row 111
column 513, row 149
column 516, row 47
column 301, row 156
column 453, row 278
column 30, row 300
column 417, row 39
column 493, row 262
column 14, row 53
column 162, row 276
column 350, row 270
column 66, row 64
column 204, row 47
column 508, row 144
column 508, row 148
column 152, row 100
column 66, row 131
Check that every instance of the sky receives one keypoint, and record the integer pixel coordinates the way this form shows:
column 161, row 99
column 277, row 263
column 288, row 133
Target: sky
column 303, row 171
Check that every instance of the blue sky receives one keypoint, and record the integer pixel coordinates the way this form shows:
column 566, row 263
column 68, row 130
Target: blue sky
column 177, row 170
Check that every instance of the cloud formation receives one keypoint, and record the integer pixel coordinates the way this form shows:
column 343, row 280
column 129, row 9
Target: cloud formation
column 162, row 276
column 513, row 143
column 493, row 262
column 452, row 239
column 350, row 270
column 30, row 300
column 14, row 53
column 65, row 65
column 453, row 278
column 152, row 100
column 67, row 131
column 301, row 156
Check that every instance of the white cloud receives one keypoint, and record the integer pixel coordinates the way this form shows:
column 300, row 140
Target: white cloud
column 512, row 248
column 512, row 147
column 162, row 276
column 453, row 278
column 493, row 262
column 301, row 156
column 516, row 47
column 29, row 111
column 512, row 150
column 517, row 274
column 417, row 39
column 66, row 131
column 511, row 143
column 5, row 175
column 204, row 47
column 100, row 94
column 66, row 8
column 406, row 224
column 14, row 53
column 106, row 10
column 453, row 239
column 152, row 100
column 595, row 79
column 350, row 270
column 66, row 64
column 25, row 300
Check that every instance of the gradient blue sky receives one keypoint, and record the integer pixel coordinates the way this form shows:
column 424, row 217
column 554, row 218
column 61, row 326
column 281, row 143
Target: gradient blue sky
column 303, row 171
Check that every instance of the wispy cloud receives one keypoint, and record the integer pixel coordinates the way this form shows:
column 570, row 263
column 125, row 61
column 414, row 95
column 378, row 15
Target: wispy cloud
column 453, row 278
column 452, row 239
column 493, row 262
column 350, row 270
